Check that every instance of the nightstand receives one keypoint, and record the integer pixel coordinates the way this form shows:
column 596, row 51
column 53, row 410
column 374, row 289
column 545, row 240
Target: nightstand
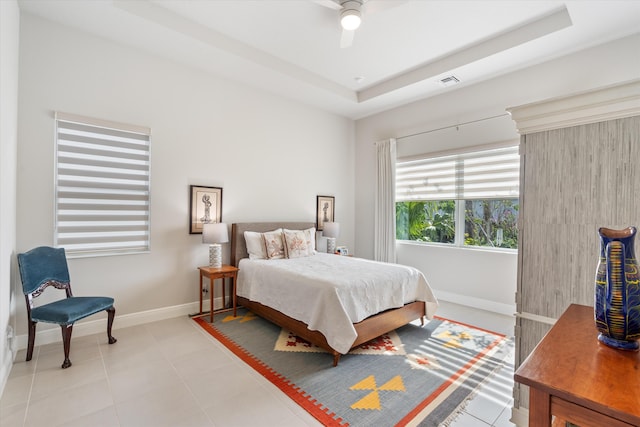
column 212, row 274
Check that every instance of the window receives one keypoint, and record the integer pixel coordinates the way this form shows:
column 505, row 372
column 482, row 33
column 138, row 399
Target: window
column 464, row 199
column 102, row 176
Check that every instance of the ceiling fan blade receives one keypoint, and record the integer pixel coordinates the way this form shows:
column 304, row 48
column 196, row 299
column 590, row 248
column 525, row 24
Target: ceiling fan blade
column 346, row 40
column 328, row 3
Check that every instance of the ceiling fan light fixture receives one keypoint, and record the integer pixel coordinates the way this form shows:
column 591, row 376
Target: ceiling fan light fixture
column 350, row 17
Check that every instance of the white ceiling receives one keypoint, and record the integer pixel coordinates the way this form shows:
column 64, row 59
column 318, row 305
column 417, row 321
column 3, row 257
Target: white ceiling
column 399, row 54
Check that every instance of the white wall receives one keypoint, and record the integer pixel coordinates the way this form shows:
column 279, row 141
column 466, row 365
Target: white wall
column 482, row 279
column 271, row 156
column 9, row 42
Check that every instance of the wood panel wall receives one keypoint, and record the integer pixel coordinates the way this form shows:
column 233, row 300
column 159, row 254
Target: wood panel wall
column 573, row 181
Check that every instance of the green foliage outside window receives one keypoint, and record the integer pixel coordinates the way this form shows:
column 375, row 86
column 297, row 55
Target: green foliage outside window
column 410, row 220
column 491, row 223
column 426, row 221
column 488, row 223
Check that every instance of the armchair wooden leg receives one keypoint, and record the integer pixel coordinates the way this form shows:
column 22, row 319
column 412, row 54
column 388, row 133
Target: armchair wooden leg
column 66, row 340
column 32, row 339
column 111, row 313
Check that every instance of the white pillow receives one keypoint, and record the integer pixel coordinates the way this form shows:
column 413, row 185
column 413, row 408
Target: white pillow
column 274, row 244
column 255, row 245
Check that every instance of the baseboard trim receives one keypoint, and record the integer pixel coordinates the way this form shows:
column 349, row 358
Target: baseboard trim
column 520, row 417
column 479, row 303
column 5, row 368
column 537, row 318
column 97, row 324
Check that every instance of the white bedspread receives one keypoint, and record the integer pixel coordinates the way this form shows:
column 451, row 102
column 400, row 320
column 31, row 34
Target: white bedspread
column 331, row 292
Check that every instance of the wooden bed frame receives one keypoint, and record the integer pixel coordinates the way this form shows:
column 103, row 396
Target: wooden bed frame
column 368, row 329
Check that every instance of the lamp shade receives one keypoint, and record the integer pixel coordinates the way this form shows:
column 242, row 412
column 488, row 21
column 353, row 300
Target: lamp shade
column 215, row 233
column 331, row 229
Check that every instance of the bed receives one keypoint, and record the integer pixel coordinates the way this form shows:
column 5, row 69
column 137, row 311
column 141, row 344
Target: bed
column 336, row 322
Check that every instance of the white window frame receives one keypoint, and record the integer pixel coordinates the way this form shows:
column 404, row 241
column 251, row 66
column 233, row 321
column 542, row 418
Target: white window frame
column 452, row 184
column 102, row 178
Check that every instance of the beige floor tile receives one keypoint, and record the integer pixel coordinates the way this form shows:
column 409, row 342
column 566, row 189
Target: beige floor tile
column 291, row 405
column 106, row 417
column 165, row 406
column 195, row 419
column 182, row 344
column 116, row 361
column 225, row 382
column 76, row 342
column 129, row 340
column 140, row 379
column 202, row 361
column 13, row 416
column 251, row 405
column 17, row 391
column 53, row 359
column 59, row 408
column 47, row 348
column 135, row 333
column 50, row 360
column 128, row 348
column 171, row 328
column 21, row 354
column 296, row 409
column 56, row 380
column 21, row 367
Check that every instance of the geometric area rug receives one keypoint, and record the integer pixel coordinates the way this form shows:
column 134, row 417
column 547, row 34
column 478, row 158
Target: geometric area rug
column 416, row 375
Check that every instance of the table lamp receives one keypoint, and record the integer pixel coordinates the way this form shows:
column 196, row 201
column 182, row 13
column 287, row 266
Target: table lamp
column 331, row 231
column 215, row 234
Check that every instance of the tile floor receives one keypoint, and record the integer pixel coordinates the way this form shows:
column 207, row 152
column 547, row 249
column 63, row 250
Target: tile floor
column 157, row 374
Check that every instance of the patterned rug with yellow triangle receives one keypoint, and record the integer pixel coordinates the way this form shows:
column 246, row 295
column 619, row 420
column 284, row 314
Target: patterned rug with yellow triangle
column 419, row 375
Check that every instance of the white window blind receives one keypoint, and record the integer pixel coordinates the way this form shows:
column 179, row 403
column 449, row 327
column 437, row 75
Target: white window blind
column 102, row 186
column 485, row 174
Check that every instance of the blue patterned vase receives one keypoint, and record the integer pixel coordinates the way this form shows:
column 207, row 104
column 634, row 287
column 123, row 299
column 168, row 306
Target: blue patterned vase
column 617, row 293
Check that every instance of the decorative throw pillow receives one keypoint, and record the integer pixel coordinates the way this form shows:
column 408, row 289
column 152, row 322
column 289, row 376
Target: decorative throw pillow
column 273, row 244
column 310, row 238
column 296, row 245
column 255, row 245
column 310, row 233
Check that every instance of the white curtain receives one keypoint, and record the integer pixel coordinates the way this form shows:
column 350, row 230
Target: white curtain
column 384, row 244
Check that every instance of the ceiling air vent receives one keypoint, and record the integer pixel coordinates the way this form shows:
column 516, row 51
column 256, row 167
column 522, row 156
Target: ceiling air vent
column 449, row 81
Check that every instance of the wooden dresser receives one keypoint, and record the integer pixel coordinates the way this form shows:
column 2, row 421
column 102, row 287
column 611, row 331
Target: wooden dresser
column 574, row 377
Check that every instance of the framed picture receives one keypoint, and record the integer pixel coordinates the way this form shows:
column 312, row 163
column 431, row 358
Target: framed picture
column 205, row 206
column 325, row 210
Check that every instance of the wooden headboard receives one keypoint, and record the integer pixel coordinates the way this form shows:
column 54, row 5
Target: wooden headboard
column 238, row 244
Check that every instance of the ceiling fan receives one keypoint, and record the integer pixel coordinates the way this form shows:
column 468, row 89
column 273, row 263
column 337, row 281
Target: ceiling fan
column 350, row 17
column 351, row 13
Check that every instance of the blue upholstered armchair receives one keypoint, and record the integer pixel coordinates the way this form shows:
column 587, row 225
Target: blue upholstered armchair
column 42, row 267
